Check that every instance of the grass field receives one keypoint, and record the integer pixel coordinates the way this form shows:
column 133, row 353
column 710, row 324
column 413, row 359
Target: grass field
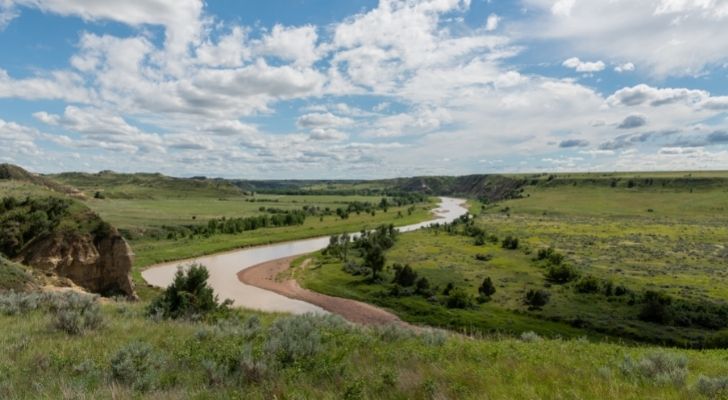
column 176, row 360
column 667, row 239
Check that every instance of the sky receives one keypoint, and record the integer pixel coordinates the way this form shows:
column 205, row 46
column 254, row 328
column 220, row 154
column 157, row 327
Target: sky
column 313, row 89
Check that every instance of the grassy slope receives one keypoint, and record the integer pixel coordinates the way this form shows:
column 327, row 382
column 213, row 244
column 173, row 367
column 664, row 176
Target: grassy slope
column 41, row 363
column 14, row 276
column 678, row 247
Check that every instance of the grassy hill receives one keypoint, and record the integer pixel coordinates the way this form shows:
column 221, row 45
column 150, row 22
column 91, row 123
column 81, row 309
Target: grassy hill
column 113, row 185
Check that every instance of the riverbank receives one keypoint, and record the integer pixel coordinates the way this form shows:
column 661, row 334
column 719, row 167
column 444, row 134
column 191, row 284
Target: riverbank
column 265, row 275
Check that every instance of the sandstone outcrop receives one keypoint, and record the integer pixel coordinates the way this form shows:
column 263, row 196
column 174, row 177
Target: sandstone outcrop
column 99, row 263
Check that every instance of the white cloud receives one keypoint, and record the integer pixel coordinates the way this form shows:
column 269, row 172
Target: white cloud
column 322, row 120
column 644, row 94
column 584, row 66
column 626, row 67
column 295, row 44
column 181, row 18
column 666, row 37
column 492, row 22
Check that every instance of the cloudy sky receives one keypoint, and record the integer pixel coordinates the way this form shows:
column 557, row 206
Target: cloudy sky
column 363, row 88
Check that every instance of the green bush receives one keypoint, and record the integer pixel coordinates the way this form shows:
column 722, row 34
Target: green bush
column 404, row 275
column 188, row 296
column 483, row 257
column 458, row 298
column 510, row 243
column 656, row 307
column 587, row 284
column 136, row 365
column 713, row 388
column 536, row 298
column 561, row 273
column 486, row 288
column 298, row 338
column 76, row 314
column 658, row 368
column 422, row 287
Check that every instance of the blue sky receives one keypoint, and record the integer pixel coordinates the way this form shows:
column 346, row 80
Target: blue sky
column 362, row 88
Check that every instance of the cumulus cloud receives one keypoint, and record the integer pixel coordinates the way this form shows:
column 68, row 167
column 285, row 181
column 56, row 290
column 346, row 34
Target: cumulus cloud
column 492, row 22
column 685, row 36
column 569, row 143
column 633, row 121
column 644, row 94
column 322, row 120
column 584, row 66
column 626, row 67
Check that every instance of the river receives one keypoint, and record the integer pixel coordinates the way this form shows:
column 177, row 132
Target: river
column 223, row 267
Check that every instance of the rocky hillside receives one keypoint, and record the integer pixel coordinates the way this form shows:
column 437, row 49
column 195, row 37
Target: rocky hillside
column 59, row 236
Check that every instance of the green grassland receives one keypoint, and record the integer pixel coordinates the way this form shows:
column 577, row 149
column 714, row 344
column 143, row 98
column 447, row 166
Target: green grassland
column 136, row 215
column 670, row 239
column 227, row 359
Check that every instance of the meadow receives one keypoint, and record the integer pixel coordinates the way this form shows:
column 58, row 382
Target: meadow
column 257, row 356
column 667, row 239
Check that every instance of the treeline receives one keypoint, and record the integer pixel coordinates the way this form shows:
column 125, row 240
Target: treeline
column 230, row 226
column 22, row 220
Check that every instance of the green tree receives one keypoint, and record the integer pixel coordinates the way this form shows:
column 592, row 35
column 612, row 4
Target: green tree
column 486, row 288
column 188, row 296
column 374, row 260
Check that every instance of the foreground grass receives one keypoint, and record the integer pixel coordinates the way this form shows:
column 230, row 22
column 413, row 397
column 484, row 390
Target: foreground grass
column 198, row 360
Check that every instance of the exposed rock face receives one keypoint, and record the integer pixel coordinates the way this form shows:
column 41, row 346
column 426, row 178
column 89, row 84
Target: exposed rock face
column 99, row 264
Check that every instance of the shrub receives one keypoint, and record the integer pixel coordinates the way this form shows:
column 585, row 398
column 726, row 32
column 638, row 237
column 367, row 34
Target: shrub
column 76, row 313
column 294, row 339
column 510, row 243
column 392, row 332
column 561, row 273
column 404, row 275
column 135, row 365
column 713, row 388
column 587, row 284
column 458, row 298
column 450, row 286
column 483, row 257
column 486, row 288
column 479, row 240
column 251, row 369
column 536, row 298
column 530, row 337
column 434, row 337
column 659, row 368
column 620, row 290
column 19, row 303
column 656, row 307
column 353, row 268
column 422, row 287
column 550, row 255
column 188, row 296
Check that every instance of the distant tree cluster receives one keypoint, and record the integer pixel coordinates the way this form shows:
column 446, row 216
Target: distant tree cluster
column 23, row 220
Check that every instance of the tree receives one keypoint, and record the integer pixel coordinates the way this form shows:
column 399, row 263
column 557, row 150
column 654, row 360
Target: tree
column 486, row 288
column 188, row 296
column 374, row 260
column 404, row 275
column 536, row 298
column 422, row 286
column 656, row 307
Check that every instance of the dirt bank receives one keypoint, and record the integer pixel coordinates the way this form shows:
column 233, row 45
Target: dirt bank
column 264, row 276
